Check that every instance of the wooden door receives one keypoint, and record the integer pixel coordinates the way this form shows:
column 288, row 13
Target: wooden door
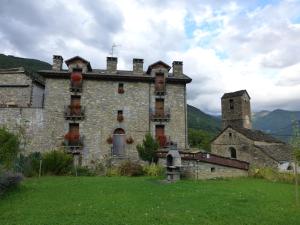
column 159, row 107
column 160, row 135
column 159, row 82
column 75, row 105
column 74, row 133
column 118, row 142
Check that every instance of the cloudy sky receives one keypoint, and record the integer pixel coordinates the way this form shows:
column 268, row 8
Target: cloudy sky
column 225, row 45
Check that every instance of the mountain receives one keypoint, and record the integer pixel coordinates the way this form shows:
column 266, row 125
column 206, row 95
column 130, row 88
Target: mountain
column 29, row 64
column 278, row 123
column 201, row 121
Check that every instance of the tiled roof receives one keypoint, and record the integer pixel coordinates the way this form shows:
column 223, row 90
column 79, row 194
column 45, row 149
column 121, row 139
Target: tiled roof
column 235, row 94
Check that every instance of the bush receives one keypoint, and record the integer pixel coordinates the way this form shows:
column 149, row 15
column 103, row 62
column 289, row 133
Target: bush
column 9, row 148
column 57, row 162
column 29, row 165
column 112, row 172
column 153, row 170
column 83, row 171
column 147, row 150
column 9, row 180
column 272, row 175
column 131, row 169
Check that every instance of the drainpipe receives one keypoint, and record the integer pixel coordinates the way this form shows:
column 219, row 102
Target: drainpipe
column 185, row 119
column 149, row 125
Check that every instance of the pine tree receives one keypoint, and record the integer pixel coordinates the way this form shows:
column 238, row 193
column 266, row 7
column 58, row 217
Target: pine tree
column 148, row 148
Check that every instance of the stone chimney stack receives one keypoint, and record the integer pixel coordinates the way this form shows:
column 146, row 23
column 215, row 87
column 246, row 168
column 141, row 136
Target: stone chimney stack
column 137, row 66
column 111, row 64
column 57, row 62
column 177, row 68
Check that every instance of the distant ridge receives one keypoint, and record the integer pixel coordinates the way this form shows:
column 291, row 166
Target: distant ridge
column 32, row 65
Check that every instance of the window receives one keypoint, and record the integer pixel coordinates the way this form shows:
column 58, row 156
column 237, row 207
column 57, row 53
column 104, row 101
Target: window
column 212, row 169
column 121, row 88
column 231, row 104
column 120, row 116
column 232, row 152
column 230, row 134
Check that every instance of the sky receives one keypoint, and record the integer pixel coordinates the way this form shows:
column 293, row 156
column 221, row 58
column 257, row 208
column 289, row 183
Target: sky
column 225, row 45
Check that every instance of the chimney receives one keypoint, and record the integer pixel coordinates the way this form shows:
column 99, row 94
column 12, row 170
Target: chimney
column 57, row 62
column 111, row 64
column 177, row 68
column 137, row 65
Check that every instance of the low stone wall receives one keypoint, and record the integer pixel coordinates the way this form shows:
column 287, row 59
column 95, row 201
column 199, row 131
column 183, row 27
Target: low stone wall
column 201, row 170
column 26, row 121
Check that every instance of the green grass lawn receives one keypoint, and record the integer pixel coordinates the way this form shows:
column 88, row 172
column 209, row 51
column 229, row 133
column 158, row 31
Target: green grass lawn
column 143, row 200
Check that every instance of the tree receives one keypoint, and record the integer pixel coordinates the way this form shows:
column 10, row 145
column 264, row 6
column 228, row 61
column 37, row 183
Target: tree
column 295, row 141
column 148, row 148
column 199, row 139
column 9, row 148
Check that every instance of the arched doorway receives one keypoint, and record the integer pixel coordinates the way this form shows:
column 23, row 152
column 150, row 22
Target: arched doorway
column 118, row 142
column 232, row 152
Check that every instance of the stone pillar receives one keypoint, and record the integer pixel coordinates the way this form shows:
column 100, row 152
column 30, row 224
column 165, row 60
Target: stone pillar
column 111, row 64
column 137, row 66
column 177, row 68
column 57, row 62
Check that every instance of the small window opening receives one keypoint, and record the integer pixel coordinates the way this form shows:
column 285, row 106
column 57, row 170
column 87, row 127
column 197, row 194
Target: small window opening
column 290, row 167
column 212, row 169
column 120, row 116
column 231, row 104
column 121, row 88
column 232, row 152
column 230, row 134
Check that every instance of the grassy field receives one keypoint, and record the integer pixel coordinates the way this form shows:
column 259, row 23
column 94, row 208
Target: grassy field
column 143, row 200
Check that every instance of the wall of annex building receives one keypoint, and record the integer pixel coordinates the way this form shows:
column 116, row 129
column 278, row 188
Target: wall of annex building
column 15, row 89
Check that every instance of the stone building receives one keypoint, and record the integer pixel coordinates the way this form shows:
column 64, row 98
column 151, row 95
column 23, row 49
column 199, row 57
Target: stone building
column 100, row 113
column 238, row 141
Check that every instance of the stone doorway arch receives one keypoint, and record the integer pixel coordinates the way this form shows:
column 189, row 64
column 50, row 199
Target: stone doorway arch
column 119, row 140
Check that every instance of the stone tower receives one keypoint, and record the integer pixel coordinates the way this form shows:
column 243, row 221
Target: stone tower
column 236, row 110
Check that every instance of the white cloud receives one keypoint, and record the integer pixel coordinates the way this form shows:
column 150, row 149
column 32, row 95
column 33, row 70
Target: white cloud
column 231, row 45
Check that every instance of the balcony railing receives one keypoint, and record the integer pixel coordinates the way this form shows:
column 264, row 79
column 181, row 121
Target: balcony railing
column 160, row 115
column 74, row 112
column 160, row 89
column 74, row 145
column 76, row 86
column 162, row 140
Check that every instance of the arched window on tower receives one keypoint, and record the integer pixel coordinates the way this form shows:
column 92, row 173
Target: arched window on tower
column 231, row 106
column 232, row 152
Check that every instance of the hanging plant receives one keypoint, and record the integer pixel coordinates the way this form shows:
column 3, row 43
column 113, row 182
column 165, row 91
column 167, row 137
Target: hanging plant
column 109, row 140
column 129, row 140
column 120, row 117
column 76, row 77
column 120, row 90
column 72, row 136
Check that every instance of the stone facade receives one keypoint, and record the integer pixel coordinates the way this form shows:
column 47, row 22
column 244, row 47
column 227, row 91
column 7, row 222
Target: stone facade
column 236, row 110
column 101, row 99
column 238, row 141
column 19, row 89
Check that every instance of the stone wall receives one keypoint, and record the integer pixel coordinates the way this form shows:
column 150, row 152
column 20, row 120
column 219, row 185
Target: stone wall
column 245, row 149
column 240, row 115
column 37, row 99
column 201, row 170
column 30, row 119
column 15, row 88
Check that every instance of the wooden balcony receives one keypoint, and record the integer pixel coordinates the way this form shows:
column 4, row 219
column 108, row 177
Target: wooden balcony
column 74, row 145
column 76, row 86
column 160, row 90
column 160, row 115
column 74, row 112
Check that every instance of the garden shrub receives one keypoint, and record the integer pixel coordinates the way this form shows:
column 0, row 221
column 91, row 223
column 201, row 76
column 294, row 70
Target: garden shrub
column 57, row 162
column 9, row 180
column 29, row 165
column 83, row 171
column 131, row 169
column 9, row 148
column 112, row 172
column 153, row 170
column 147, row 150
column 272, row 175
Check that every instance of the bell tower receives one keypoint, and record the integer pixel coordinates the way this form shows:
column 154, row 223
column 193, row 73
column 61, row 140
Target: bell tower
column 236, row 110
